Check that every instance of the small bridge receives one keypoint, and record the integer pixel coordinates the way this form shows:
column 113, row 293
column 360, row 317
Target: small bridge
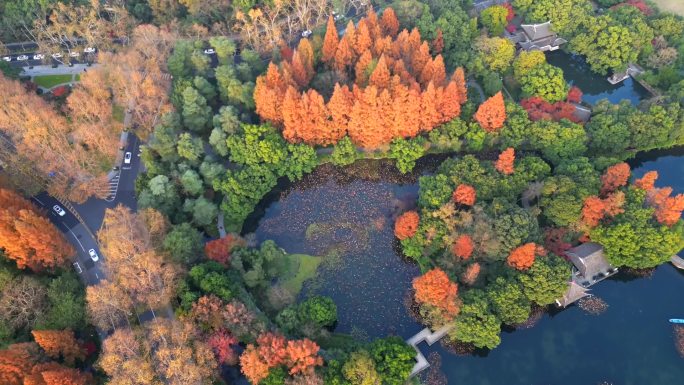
column 430, row 337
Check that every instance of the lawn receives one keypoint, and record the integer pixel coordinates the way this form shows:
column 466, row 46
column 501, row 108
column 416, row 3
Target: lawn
column 675, row 6
column 306, row 266
column 49, row 81
column 118, row 113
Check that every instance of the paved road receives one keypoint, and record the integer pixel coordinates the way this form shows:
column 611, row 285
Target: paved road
column 61, row 70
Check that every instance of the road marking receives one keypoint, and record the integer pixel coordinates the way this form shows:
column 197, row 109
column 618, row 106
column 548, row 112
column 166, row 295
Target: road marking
column 113, row 187
column 153, row 315
column 97, row 276
column 38, row 200
column 75, row 237
column 125, row 168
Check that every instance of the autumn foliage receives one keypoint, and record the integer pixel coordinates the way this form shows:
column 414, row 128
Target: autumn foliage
column 22, row 364
column 434, row 288
column 271, row 350
column 491, row 114
column 615, row 176
column 470, row 275
column 219, row 249
column 463, row 247
column 595, row 208
column 539, row 109
column 396, row 88
column 59, row 343
column 668, row 209
column 574, row 95
column 464, row 194
column 222, row 343
column 505, row 162
column 406, row 225
column 647, row 182
column 522, row 257
column 554, row 242
column 28, row 237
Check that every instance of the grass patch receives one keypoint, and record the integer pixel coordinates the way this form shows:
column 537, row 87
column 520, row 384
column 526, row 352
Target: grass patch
column 674, row 6
column 118, row 113
column 49, row 81
column 303, row 267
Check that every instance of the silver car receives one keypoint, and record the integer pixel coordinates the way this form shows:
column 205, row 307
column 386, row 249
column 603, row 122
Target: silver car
column 93, row 255
column 38, row 56
column 22, row 57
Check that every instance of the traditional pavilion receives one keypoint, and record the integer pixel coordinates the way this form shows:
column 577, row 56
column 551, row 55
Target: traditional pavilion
column 537, row 37
column 589, row 267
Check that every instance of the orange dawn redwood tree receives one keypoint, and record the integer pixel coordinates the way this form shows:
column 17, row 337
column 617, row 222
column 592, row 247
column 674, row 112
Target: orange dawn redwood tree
column 505, row 163
column 491, row 114
column 330, row 42
column 406, row 225
column 434, row 288
column 522, row 257
column 464, row 194
column 395, row 88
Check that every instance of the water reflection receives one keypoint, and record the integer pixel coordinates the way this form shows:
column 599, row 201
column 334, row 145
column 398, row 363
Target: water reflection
column 595, row 87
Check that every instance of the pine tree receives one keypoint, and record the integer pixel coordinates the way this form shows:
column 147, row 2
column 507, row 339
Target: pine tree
column 438, row 42
column 59, row 343
column 363, row 40
column 343, row 55
column 330, row 42
column 459, row 79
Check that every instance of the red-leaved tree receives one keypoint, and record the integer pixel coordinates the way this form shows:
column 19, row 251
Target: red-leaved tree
column 463, row 247
column 406, row 225
column 434, row 288
column 464, row 194
column 614, row 177
column 219, row 249
column 668, row 209
column 522, row 257
column 505, row 163
column 647, row 182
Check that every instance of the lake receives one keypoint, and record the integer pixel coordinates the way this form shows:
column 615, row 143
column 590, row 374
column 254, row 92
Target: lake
column 595, row 87
column 349, row 213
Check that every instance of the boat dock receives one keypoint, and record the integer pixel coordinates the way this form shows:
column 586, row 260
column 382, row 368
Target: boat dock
column 430, row 337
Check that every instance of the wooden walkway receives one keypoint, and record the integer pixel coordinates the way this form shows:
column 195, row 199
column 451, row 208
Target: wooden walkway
column 430, row 337
column 633, row 70
column 677, row 261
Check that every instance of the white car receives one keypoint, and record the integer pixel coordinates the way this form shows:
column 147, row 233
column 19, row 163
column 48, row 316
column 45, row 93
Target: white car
column 38, row 56
column 93, row 255
column 22, row 57
column 127, row 157
column 337, row 17
column 74, row 54
column 7, row 58
column 307, row 33
column 60, row 211
column 89, row 50
column 57, row 55
column 209, row 51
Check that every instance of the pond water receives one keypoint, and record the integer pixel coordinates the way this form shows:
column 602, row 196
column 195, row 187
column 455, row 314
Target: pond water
column 595, row 87
column 630, row 344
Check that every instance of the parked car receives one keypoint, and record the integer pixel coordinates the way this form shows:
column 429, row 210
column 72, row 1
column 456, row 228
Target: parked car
column 38, row 56
column 337, row 17
column 7, row 58
column 57, row 55
column 307, row 33
column 22, row 57
column 60, row 211
column 127, row 157
column 209, row 51
column 89, row 50
column 93, row 255
column 74, row 54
